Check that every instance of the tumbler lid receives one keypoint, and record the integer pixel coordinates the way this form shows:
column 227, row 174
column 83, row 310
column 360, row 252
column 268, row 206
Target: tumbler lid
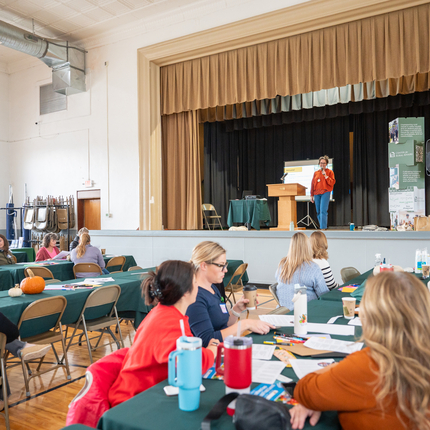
column 235, row 342
column 188, row 343
column 249, row 287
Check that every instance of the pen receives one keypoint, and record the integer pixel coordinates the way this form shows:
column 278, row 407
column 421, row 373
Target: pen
column 269, row 343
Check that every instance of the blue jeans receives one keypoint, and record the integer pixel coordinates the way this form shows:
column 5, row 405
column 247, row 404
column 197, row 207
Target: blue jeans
column 321, row 205
column 105, row 271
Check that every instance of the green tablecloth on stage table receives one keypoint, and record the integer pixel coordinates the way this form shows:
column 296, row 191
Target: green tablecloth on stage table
column 77, row 427
column 248, row 211
column 31, row 254
column 130, row 299
column 63, row 270
column 147, row 410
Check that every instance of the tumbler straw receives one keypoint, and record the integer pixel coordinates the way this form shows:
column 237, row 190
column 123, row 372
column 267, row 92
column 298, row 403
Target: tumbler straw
column 181, row 323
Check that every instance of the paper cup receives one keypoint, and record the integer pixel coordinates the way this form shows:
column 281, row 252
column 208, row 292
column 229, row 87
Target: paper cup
column 348, row 304
column 250, row 293
column 426, row 271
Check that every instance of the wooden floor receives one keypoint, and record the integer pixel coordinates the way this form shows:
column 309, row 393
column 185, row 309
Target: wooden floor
column 51, row 393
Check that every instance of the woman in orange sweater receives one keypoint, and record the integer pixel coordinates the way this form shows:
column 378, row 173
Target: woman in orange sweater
column 387, row 384
column 321, row 187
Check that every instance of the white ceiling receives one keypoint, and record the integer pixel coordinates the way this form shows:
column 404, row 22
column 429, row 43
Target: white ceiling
column 80, row 20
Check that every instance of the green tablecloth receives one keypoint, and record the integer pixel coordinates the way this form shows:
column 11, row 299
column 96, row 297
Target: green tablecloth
column 248, row 211
column 147, row 410
column 21, row 257
column 63, row 270
column 129, row 300
column 31, row 254
column 77, row 427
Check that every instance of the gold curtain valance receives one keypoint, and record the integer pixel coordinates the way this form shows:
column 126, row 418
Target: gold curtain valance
column 387, row 46
column 347, row 94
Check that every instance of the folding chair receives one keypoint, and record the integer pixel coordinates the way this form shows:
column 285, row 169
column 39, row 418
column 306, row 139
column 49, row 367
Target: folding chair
column 3, row 380
column 14, row 259
column 211, row 220
column 272, row 289
column 49, row 312
column 236, row 286
column 348, row 273
column 43, row 272
column 86, row 268
column 116, row 261
column 281, row 310
column 98, row 314
column 134, row 268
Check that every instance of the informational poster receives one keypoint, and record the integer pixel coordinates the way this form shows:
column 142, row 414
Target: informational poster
column 406, row 169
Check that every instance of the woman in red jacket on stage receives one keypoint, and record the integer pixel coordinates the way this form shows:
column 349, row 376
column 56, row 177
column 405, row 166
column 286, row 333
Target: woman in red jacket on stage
column 321, row 187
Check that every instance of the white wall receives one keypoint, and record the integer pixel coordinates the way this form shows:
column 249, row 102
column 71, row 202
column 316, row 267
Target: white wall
column 4, row 147
column 65, row 148
column 263, row 250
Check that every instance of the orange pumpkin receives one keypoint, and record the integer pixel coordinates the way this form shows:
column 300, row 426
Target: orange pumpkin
column 33, row 284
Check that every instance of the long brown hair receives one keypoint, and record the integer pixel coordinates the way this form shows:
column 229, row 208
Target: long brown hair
column 395, row 312
column 319, row 245
column 5, row 244
column 82, row 247
column 300, row 252
column 173, row 279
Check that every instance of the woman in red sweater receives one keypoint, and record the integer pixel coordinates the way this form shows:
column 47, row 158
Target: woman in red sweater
column 321, row 186
column 49, row 249
column 174, row 288
column 387, row 384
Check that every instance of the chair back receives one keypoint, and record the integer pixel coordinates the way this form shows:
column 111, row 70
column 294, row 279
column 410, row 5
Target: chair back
column 86, row 268
column 272, row 289
column 2, row 344
column 348, row 273
column 235, row 284
column 14, row 259
column 101, row 302
column 47, row 311
column 208, row 207
column 2, row 380
column 134, row 268
column 118, row 261
column 39, row 271
column 281, row 310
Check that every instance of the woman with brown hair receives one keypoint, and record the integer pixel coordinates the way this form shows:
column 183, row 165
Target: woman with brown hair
column 172, row 289
column 320, row 256
column 49, row 249
column 6, row 257
column 387, row 384
column 298, row 268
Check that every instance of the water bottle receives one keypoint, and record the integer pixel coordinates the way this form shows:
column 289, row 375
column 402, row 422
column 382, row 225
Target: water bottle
column 378, row 260
column 418, row 261
column 300, row 301
column 292, row 226
column 187, row 374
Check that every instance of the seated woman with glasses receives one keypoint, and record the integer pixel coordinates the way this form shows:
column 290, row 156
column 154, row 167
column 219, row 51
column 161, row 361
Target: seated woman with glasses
column 386, row 385
column 208, row 316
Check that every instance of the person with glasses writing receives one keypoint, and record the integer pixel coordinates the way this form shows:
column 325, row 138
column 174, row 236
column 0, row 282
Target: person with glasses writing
column 208, row 316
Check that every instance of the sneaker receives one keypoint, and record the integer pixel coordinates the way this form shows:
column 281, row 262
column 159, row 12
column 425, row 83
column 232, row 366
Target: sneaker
column 31, row 351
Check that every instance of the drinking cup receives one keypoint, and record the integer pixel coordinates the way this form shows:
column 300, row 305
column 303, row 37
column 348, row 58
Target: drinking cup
column 185, row 371
column 348, row 307
column 426, row 271
column 250, row 293
column 103, row 251
column 237, row 369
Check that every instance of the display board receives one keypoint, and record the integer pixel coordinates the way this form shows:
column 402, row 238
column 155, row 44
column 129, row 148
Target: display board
column 302, row 171
column 406, row 169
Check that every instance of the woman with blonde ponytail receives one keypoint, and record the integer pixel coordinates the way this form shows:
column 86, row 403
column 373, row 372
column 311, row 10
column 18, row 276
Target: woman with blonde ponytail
column 86, row 253
column 387, row 384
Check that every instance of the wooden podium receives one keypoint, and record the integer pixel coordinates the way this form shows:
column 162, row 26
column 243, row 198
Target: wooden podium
column 287, row 208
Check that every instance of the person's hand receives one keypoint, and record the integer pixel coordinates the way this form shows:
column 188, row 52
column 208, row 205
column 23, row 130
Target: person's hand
column 260, row 327
column 312, row 199
column 240, row 305
column 299, row 414
column 213, row 346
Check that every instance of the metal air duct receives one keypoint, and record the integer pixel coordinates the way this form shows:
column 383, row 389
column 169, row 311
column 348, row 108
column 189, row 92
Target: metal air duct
column 67, row 62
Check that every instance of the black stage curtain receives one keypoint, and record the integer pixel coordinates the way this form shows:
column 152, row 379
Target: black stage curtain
column 250, row 159
column 247, row 154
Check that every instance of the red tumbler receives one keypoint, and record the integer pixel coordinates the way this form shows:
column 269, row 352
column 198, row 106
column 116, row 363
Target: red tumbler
column 237, row 363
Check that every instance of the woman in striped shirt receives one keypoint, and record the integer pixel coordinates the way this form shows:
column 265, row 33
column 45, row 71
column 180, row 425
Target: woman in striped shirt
column 320, row 257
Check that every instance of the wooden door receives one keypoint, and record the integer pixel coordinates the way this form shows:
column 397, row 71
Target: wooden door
column 89, row 209
column 92, row 214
